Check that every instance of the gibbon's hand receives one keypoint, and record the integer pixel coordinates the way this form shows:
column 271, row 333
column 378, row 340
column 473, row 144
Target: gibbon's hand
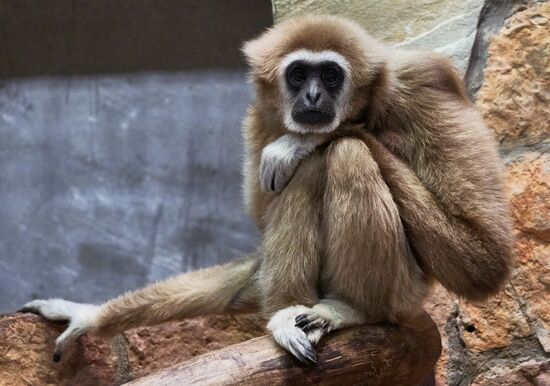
column 281, row 157
column 81, row 319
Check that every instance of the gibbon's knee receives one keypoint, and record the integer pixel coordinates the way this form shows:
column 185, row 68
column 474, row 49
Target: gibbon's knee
column 350, row 165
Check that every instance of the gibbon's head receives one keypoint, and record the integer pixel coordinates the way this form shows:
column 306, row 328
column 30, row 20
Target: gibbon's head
column 314, row 71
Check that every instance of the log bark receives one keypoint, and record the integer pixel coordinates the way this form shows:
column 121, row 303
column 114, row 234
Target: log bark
column 367, row 355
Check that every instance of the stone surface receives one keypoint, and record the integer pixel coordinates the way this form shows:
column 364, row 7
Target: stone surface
column 440, row 305
column 494, row 323
column 491, row 20
column 516, row 92
column 527, row 374
column 529, row 184
column 445, row 26
column 27, row 341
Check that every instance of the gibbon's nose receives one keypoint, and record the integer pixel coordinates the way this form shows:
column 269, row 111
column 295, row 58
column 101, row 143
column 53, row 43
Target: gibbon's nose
column 313, row 94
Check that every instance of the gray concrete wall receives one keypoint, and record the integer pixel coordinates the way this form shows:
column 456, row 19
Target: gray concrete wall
column 120, row 142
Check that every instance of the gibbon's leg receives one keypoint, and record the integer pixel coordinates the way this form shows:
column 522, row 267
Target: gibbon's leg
column 291, row 255
column 369, row 272
column 214, row 290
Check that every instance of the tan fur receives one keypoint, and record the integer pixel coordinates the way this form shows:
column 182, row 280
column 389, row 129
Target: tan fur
column 409, row 190
column 436, row 156
column 368, row 263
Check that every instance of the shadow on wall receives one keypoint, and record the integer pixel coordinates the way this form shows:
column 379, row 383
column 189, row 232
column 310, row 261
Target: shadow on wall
column 120, row 142
column 111, row 36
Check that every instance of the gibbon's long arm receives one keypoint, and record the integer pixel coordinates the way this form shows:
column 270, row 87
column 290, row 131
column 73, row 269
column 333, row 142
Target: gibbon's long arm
column 468, row 255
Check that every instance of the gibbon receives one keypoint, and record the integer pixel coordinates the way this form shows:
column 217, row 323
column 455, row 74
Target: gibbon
column 370, row 175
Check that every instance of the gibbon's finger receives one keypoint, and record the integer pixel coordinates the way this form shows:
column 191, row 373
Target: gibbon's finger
column 290, row 337
column 280, row 180
column 296, row 342
column 302, row 349
column 310, row 321
column 68, row 336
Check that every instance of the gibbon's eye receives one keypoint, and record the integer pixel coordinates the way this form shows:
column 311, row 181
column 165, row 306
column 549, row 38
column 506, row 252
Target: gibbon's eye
column 297, row 76
column 330, row 76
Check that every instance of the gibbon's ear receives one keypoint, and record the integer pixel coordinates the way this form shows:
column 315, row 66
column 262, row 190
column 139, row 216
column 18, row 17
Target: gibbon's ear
column 260, row 55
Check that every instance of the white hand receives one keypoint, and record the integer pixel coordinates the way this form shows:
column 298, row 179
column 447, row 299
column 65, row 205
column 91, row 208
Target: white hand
column 281, row 157
column 81, row 318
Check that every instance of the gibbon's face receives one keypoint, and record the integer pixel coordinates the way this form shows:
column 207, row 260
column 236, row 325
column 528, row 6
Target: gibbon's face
column 315, row 90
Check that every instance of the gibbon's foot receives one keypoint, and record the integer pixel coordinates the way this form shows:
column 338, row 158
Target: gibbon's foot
column 81, row 318
column 285, row 332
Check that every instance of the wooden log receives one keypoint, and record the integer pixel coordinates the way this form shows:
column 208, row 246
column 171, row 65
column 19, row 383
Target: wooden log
column 367, row 355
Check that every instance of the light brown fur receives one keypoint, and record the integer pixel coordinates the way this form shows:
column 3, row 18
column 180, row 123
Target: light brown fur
column 408, row 190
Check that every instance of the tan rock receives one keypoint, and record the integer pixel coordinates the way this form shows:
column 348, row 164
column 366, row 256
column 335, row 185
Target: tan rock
column 529, row 188
column 516, row 92
column 26, row 347
column 27, row 342
column 493, row 324
column 155, row 348
column 528, row 185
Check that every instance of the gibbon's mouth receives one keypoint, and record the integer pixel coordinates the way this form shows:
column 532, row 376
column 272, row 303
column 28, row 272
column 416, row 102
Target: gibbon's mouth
column 313, row 117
